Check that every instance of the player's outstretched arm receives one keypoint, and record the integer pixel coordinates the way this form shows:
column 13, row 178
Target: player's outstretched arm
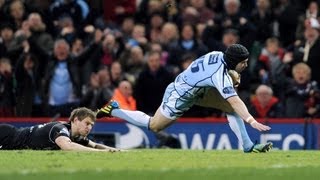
column 241, row 109
column 65, row 143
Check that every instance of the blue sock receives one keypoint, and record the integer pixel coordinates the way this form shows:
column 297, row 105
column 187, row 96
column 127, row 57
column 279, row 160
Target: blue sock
column 238, row 127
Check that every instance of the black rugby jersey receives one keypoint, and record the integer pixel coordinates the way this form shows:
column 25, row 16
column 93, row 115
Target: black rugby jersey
column 42, row 136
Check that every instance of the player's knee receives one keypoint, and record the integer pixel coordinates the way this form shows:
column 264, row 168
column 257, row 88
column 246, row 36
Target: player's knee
column 155, row 129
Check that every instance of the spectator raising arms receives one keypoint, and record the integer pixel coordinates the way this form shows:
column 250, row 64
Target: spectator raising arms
column 7, row 89
column 62, row 84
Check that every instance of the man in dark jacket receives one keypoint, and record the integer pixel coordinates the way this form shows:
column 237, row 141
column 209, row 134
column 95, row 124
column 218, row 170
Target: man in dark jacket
column 151, row 84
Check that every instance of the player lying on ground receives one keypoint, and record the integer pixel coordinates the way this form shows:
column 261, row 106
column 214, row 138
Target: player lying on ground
column 54, row 135
column 206, row 82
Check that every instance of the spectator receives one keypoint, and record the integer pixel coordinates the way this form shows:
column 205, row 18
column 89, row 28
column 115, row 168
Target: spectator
column 34, row 29
column 271, row 56
column 115, row 11
column 29, row 72
column 158, row 48
column 187, row 43
column 264, row 104
column 111, row 49
column 3, row 14
column 66, row 29
column 116, row 73
column 154, row 27
column 286, row 16
column 62, row 84
column 17, row 13
column 262, row 17
column 169, row 35
column 147, row 7
column 38, row 30
column 127, row 26
column 302, row 98
column 123, row 95
column 216, row 6
column 187, row 59
column 138, row 37
column 196, row 12
column 310, row 45
column 98, row 91
column 105, row 79
column 95, row 12
column 234, row 18
column 68, row 8
column 151, row 83
column 230, row 36
column 135, row 63
column 311, row 12
column 43, row 8
column 77, row 47
column 7, row 89
column 272, row 68
column 200, row 27
column 6, row 37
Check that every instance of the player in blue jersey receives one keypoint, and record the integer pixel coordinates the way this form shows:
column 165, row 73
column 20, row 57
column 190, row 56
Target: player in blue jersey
column 207, row 82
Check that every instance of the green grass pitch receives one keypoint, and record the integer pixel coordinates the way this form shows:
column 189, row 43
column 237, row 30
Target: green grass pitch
column 159, row 164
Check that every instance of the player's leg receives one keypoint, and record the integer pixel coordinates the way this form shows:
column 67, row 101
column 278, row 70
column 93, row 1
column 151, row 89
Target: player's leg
column 7, row 133
column 238, row 127
column 213, row 99
column 112, row 109
column 156, row 123
column 159, row 122
column 164, row 116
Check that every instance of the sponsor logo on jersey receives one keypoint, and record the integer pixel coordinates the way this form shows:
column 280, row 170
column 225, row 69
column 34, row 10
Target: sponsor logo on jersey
column 228, row 90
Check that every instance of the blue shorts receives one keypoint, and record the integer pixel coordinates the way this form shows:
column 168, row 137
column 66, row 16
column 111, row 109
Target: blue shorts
column 179, row 98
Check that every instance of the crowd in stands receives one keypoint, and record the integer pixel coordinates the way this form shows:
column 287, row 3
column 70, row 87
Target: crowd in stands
column 56, row 55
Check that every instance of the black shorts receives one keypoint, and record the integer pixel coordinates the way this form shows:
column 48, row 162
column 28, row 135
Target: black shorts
column 7, row 135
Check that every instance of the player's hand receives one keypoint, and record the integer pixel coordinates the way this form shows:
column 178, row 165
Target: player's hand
column 111, row 149
column 259, row 126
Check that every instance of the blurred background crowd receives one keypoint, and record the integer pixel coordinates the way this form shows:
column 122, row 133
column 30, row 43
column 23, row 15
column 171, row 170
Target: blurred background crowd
column 56, row 55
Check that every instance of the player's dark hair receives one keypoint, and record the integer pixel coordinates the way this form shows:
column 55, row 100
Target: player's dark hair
column 82, row 113
column 235, row 54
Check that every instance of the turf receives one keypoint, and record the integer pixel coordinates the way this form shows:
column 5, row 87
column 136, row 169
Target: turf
column 159, row 164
